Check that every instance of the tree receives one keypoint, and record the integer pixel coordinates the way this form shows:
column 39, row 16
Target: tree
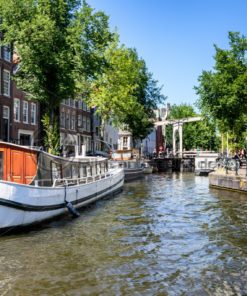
column 148, row 95
column 201, row 134
column 223, row 91
column 126, row 92
column 67, row 51
column 60, row 47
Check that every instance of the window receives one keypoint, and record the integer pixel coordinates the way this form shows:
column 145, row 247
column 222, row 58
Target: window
column 67, row 122
column 72, row 123
column 79, row 120
column 55, row 170
column 74, row 170
column 83, row 171
column 25, row 140
column 79, row 104
column 6, row 83
column 84, row 123
column 5, row 126
column 125, row 142
column 16, row 110
column 33, row 113
column 84, row 106
column 5, row 112
column 25, row 112
column 72, row 103
column 88, row 124
column 62, row 119
column 6, row 53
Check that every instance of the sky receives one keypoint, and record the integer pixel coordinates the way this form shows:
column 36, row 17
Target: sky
column 176, row 37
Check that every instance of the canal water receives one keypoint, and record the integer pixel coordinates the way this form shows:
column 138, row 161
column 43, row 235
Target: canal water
column 168, row 234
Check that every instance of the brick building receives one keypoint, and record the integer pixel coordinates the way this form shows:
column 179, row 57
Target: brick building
column 25, row 120
column 6, row 93
column 19, row 117
column 75, row 127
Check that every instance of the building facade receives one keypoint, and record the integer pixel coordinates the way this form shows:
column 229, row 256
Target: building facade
column 19, row 117
column 6, row 93
column 75, row 128
column 25, row 119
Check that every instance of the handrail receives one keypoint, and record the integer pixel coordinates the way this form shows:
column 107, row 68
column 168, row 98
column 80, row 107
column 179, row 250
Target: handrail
column 78, row 181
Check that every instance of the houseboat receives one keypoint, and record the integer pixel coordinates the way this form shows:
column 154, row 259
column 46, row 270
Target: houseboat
column 133, row 169
column 36, row 186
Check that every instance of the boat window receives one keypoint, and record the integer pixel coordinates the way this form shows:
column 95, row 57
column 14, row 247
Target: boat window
column 74, row 169
column 83, row 171
column 89, row 171
column 98, row 169
column 1, row 165
column 103, row 168
column 55, row 170
column 67, row 171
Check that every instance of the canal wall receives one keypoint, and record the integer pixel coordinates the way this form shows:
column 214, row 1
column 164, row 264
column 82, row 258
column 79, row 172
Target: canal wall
column 229, row 181
column 173, row 164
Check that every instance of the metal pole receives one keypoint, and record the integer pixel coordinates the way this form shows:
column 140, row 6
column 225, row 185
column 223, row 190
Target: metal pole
column 227, row 144
column 222, row 145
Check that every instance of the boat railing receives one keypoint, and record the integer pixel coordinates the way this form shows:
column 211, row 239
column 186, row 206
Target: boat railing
column 78, row 181
column 114, row 165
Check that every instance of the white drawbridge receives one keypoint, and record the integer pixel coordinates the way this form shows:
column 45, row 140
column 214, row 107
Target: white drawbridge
column 177, row 127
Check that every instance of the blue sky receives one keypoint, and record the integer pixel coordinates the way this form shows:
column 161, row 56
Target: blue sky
column 176, row 37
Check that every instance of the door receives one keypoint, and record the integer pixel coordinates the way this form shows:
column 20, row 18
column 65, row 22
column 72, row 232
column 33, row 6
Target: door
column 17, row 167
column 1, row 165
column 25, row 140
column 6, row 123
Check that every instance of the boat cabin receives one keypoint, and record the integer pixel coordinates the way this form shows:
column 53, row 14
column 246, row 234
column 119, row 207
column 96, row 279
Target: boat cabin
column 24, row 165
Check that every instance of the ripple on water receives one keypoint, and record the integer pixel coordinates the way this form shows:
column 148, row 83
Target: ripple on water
column 164, row 235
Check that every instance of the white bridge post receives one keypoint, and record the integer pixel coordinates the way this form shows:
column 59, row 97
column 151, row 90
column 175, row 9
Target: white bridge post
column 178, row 126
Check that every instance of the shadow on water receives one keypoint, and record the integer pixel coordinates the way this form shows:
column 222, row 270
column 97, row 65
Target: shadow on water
column 168, row 234
column 58, row 221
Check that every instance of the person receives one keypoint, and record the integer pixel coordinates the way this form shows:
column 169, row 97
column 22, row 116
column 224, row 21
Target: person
column 237, row 158
column 242, row 153
column 154, row 153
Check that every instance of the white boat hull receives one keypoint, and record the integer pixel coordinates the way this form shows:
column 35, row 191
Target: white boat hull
column 22, row 205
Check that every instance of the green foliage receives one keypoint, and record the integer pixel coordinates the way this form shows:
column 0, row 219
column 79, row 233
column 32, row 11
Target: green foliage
column 52, row 137
column 126, row 91
column 201, row 134
column 60, row 47
column 89, row 37
column 40, row 37
column 148, row 95
column 66, row 50
column 223, row 91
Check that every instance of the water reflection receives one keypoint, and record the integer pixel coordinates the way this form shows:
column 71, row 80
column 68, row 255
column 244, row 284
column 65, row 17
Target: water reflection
column 165, row 235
